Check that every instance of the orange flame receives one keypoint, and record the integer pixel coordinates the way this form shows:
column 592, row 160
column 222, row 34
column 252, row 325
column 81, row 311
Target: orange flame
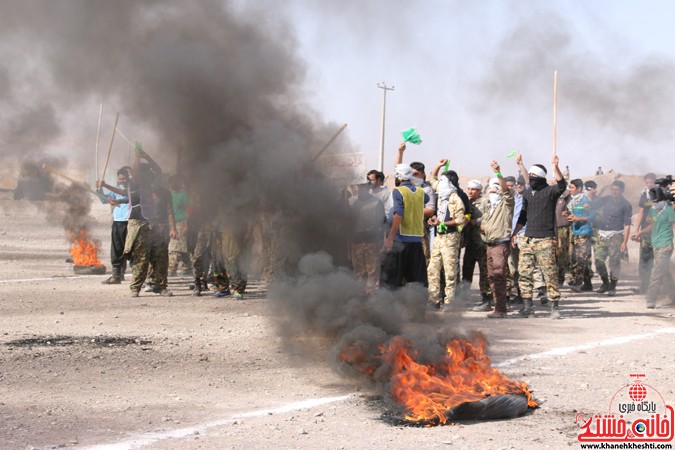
column 83, row 249
column 429, row 392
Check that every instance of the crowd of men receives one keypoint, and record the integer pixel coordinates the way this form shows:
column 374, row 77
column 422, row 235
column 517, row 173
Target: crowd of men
column 150, row 230
column 528, row 237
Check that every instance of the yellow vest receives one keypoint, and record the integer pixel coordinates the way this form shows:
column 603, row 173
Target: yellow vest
column 413, row 212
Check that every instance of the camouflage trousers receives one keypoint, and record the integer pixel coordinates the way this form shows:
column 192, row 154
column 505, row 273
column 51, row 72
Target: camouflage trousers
column 216, row 273
column 178, row 248
column 426, row 247
column 537, row 253
column 200, row 254
column 274, row 259
column 513, row 275
column 138, row 234
column 444, row 255
column 232, row 257
column 646, row 262
column 158, row 254
column 563, row 251
column 366, row 263
column 581, row 257
column 661, row 281
column 609, row 250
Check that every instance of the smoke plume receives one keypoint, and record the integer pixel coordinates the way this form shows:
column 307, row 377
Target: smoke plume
column 219, row 94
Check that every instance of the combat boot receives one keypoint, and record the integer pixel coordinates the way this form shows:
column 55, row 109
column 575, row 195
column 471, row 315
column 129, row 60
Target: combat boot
column 528, row 309
column 197, row 288
column 555, row 310
column 605, row 286
column 587, row 286
column 112, row 280
column 115, row 278
column 612, row 287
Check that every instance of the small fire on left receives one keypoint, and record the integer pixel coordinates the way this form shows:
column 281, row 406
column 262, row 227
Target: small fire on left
column 84, row 250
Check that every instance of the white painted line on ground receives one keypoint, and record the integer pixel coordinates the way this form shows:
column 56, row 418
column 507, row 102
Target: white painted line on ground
column 151, row 438
column 591, row 345
column 19, row 280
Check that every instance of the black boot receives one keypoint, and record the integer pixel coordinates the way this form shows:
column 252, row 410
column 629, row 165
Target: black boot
column 605, row 285
column 197, row 290
column 587, row 286
column 612, row 287
column 527, row 310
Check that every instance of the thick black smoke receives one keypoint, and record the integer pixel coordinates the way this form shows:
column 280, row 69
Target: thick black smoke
column 221, row 92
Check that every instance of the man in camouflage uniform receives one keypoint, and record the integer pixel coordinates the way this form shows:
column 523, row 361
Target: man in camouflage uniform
column 145, row 244
column 162, row 229
column 201, row 256
column 563, row 237
column 581, row 217
column 449, row 220
column 537, row 247
column 474, row 247
column 178, row 248
column 614, row 219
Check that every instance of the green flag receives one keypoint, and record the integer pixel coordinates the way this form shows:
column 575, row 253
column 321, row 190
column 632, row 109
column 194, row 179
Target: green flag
column 445, row 167
column 512, row 154
column 411, row 136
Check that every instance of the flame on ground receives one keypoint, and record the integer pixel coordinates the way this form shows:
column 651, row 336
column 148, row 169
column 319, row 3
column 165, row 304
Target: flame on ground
column 429, row 392
column 83, row 249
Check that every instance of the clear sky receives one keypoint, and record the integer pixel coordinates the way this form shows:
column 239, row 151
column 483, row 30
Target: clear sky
column 476, row 79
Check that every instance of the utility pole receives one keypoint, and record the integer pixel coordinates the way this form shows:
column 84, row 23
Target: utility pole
column 384, row 88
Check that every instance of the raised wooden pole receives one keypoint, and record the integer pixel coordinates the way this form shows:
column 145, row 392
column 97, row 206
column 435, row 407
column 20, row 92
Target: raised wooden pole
column 112, row 139
column 555, row 109
column 98, row 133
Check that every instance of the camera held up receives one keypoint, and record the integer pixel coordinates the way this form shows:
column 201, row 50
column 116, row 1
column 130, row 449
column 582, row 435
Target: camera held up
column 661, row 190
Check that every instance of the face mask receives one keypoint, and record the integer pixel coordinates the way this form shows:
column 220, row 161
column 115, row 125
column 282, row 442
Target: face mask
column 416, row 181
column 659, row 205
column 538, row 183
column 495, row 198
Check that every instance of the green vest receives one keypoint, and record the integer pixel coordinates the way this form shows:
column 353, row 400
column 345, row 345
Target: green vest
column 413, row 212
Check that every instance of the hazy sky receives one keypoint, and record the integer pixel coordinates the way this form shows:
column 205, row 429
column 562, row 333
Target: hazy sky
column 476, row 79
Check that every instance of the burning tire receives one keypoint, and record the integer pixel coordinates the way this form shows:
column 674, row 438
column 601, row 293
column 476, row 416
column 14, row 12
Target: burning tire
column 89, row 270
column 492, row 408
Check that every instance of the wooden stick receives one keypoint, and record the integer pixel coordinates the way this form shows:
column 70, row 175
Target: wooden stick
column 124, row 137
column 80, row 183
column 98, row 133
column 555, row 109
column 330, row 142
column 112, row 139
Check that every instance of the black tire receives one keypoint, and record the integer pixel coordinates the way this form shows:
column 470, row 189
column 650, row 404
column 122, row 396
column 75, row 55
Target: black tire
column 89, row 270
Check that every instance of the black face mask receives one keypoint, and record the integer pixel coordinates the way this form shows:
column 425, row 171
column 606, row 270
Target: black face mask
column 538, row 183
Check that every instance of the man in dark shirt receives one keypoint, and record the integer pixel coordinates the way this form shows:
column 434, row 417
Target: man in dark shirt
column 537, row 249
column 613, row 219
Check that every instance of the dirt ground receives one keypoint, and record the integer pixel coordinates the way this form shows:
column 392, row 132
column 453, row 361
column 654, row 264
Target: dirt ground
column 207, row 373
